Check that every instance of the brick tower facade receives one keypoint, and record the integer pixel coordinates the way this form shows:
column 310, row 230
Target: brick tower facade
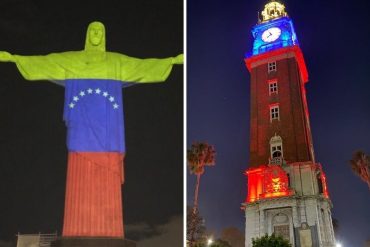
column 287, row 192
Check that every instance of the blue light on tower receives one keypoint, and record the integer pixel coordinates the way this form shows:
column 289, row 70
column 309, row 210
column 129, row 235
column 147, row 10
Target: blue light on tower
column 274, row 30
column 286, row 38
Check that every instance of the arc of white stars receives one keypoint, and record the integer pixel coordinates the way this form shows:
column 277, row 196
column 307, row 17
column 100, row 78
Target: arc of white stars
column 90, row 91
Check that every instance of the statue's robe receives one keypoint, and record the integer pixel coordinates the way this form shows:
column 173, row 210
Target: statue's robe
column 93, row 113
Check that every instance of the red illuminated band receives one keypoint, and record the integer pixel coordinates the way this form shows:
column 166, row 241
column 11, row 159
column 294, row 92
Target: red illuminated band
column 268, row 55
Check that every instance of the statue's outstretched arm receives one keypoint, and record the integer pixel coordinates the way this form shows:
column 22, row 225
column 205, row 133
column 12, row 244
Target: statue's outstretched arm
column 6, row 57
column 45, row 67
column 179, row 59
column 147, row 70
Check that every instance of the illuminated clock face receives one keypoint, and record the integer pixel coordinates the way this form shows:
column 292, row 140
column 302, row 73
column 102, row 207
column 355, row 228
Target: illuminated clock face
column 271, row 34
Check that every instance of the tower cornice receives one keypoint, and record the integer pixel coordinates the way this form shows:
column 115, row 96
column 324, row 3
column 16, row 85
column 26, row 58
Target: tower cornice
column 286, row 52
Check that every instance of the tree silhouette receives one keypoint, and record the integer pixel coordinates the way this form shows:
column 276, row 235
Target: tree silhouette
column 270, row 241
column 360, row 165
column 233, row 236
column 195, row 226
column 200, row 154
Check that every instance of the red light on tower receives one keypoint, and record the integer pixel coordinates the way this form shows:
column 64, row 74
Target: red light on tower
column 287, row 191
column 275, row 183
column 255, row 181
column 267, row 182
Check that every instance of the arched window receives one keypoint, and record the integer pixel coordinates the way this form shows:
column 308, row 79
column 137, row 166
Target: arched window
column 280, row 224
column 276, row 146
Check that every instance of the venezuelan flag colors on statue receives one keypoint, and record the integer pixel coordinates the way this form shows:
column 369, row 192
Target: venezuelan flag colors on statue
column 93, row 113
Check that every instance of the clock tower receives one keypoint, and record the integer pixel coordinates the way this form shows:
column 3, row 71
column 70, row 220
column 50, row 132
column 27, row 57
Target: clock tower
column 287, row 193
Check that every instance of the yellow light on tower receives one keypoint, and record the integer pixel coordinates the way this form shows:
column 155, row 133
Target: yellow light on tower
column 272, row 10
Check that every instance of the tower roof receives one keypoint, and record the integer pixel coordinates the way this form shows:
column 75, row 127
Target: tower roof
column 273, row 9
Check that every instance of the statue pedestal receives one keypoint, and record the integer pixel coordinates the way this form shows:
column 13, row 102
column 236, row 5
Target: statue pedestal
column 93, row 242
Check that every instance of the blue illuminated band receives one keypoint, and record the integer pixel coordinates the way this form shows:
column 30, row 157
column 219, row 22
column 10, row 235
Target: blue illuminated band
column 286, row 38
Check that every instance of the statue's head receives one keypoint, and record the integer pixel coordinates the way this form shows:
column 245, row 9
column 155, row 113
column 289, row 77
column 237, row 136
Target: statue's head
column 95, row 37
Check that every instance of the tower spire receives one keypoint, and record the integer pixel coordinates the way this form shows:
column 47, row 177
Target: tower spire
column 273, row 9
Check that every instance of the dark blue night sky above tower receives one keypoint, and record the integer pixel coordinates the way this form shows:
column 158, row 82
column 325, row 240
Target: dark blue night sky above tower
column 332, row 37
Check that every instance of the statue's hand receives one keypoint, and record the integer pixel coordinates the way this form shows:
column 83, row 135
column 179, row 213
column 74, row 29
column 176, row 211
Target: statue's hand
column 178, row 59
column 6, row 57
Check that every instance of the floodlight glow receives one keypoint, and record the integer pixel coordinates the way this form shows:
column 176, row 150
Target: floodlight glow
column 338, row 245
column 210, row 241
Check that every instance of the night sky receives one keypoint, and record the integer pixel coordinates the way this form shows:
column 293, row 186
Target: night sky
column 334, row 37
column 32, row 133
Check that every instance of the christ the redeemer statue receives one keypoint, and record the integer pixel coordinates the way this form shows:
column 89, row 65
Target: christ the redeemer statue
column 93, row 80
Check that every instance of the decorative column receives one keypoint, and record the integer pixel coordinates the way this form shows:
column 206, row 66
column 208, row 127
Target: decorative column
column 296, row 220
column 262, row 222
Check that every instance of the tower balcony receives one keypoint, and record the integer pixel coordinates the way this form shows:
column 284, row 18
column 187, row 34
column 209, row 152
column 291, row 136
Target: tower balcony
column 276, row 161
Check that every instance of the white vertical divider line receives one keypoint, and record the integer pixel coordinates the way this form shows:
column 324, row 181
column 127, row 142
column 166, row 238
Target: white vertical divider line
column 184, row 118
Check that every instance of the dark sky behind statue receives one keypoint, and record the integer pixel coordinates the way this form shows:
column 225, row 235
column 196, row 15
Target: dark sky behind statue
column 33, row 134
column 93, row 79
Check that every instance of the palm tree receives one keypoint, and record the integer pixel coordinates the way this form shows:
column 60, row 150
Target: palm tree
column 360, row 165
column 200, row 154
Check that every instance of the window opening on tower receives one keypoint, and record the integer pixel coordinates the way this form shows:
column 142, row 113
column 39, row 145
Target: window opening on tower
column 273, row 87
column 274, row 112
column 276, row 147
column 319, row 183
column 271, row 66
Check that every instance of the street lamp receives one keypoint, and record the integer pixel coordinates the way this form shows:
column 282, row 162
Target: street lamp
column 338, row 245
column 210, row 241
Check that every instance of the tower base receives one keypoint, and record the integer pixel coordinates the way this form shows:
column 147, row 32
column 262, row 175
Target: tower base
column 290, row 200
column 93, row 242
